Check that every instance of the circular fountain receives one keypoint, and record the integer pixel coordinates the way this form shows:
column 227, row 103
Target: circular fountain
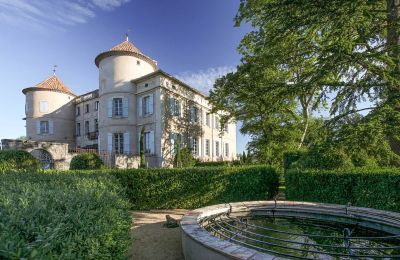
column 290, row 230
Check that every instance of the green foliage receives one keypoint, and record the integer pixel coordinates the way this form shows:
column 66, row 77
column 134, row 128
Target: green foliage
column 143, row 163
column 18, row 160
column 197, row 187
column 324, row 159
column 65, row 215
column 219, row 163
column 290, row 157
column 86, row 161
column 178, row 155
column 364, row 187
column 187, row 158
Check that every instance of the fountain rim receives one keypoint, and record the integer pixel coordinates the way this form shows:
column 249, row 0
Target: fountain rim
column 192, row 229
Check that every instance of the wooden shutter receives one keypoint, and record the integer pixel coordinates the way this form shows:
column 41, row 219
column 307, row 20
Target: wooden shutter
column 127, row 147
column 140, row 107
column 109, row 142
column 51, row 127
column 110, row 107
column 38, row 127
column 151, row 142
column 125, row 107
column 151, row 104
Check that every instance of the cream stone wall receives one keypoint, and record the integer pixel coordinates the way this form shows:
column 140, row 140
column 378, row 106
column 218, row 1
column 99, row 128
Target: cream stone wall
column 86, row 139
column 60, row 115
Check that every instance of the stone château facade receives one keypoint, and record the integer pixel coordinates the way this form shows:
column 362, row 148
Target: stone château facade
column 133, row 96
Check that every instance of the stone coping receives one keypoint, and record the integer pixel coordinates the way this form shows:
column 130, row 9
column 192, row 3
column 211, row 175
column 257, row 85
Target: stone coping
column 191, row 228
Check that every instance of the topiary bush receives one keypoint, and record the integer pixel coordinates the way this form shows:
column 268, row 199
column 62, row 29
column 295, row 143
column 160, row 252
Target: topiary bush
column 86, row 161
column 11, row 160
column 197, row 187
column 325, row 159
column 364, row 187
column 63, row 215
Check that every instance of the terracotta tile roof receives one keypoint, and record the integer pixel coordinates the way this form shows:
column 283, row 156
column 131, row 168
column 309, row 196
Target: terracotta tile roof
column 52, row 83
column 126, row 46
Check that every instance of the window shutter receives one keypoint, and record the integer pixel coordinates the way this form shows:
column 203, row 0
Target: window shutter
column 140, row 107
column 109, row 142
column 125, row 107
column 38, row 127
column 172, row 105
column 110, row 107
column 151, row 142
column 151, row 104
column 51, row 127
column 126, row 143
column 138, row 143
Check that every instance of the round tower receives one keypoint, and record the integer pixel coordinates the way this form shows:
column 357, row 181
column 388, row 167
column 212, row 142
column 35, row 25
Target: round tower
column 117, row 114
column 49, row 109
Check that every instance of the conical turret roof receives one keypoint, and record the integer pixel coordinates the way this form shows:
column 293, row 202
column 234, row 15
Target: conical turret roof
column 52, row 83
column 125, row 48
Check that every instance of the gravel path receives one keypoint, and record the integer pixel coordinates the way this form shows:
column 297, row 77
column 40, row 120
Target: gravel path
column 151, row 240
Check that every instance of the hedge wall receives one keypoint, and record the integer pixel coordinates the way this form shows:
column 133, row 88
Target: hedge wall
column 374, row 188
column 64, row 215
column 197, row 187
column 16, row 160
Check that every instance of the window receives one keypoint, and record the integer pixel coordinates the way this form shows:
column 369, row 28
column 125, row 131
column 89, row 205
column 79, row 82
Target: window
column 175, row 106
column 118, row 143
column 146, row 106
column 193, row 147
column 217, row 148
column 96, row 125
column 44, row 107
column 226, row 127
column 207, row 147
column 117, row 106
column 217, row 126
column 87, row 127
column 96, row 106
column 78, row 111
column 208, row 119
column 194, row 114
column 44, row 127
column 87, row 108
column 226, row 149
column 146, row 85
column 78, row 129
column 138, row 62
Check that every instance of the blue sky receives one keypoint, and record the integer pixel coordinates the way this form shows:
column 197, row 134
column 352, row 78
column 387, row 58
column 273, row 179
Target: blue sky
column 192, row 39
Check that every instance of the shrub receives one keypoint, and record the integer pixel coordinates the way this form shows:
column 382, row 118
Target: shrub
column 375, row 188
column 18, row 160
column 63, row 215
column 197, row 187
column 86, row 161
column 326, row 159
column 291, row 157
column 218, row 163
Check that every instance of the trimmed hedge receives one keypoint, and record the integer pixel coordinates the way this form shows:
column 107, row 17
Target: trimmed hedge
column 374, row 188
column 64, row 215
column 197, row 187
column 86, row 161
column 17, row 160
column 218, row 163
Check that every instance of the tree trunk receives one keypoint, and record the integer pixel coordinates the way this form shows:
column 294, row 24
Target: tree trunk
column 306, row 122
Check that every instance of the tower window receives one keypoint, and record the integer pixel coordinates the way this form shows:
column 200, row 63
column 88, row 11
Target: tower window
column 138, row 62
column 44, row 107
column 146, row 85
column 117, row 108
column 44, row 127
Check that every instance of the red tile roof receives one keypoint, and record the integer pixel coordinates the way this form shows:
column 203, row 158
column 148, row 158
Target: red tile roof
column 126, row 46
column 52, row 83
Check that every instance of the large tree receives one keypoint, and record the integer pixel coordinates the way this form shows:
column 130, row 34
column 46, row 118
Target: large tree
column 301, row 51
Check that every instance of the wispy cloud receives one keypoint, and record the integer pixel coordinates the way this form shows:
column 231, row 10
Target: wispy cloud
column 42, row 14
column 203, row 80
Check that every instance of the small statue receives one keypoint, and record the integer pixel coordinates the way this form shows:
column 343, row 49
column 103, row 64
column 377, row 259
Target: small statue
column 171, row 222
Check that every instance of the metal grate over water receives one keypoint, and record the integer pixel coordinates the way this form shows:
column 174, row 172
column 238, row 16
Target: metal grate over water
column 304, row 238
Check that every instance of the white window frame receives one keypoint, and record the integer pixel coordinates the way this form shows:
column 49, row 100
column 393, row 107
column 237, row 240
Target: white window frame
column 118, row 143
column 117, row 106
column 146, row 105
